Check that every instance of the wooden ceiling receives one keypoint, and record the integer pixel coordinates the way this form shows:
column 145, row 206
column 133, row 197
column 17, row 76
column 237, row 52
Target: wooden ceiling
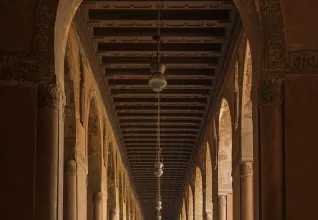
column 196, row 38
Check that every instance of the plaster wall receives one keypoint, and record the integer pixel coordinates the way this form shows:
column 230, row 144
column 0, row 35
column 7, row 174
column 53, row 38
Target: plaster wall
column 17, row 143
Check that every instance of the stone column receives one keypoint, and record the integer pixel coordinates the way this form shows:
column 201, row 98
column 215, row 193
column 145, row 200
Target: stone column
column 113, row 214
column 97, row 206
column 70, row 190
column 222, row 207
column 47, row 148
column 271, row 148
column 247, row 195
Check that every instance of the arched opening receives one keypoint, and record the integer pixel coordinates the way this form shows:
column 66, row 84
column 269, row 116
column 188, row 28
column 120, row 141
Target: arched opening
column 225, row 155
column 246, row 168
column 183, row 211
column 208, row 183
column 111, row 188
column 94, row 156
column 198, row 199
column 247, row 122
column 190, row 204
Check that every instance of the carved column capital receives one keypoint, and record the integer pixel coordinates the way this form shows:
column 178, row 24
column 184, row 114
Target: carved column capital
column 208, row 215
column 98, row 197
column 246, row 168
column 71, row 167
column 113, row 212
column 271, row 91
column 222, row 200
column 49, row 95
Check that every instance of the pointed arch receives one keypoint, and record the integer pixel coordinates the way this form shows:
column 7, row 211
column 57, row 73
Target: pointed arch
column 208, row 180
column 225, row 149
column 70, row 131
column 247, row 122
column 190, row 204
column 183, row 210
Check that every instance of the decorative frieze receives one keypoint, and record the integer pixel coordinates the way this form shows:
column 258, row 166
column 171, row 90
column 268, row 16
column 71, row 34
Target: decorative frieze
column 16, row 67
column 302, row 61
column 271, row 91
column 49, row 95
column 274, row 38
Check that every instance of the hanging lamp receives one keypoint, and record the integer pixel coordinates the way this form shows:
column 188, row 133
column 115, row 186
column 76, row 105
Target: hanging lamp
column 157, row 82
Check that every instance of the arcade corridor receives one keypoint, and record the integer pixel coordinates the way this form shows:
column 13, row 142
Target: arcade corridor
column 163, row 109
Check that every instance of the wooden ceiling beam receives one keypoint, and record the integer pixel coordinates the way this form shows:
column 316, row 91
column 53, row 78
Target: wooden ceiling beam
column 151, row 95
column 144, row 145
column 148, row 15
column 132, row 29
column 162, row 115
column 164, row 151
column 152, row 5
column 166, row 60
column 163, row 130
column 142, row 86
column 137, row 135
column 163, row 133
column 102, row 47
column 149, row 39
column 146, row 117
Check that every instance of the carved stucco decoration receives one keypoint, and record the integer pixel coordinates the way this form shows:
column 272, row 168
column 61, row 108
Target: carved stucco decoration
column 39, row 64
column 98, row 197
column 49, row 95
column 246, row 168
column 271, row 91
column 274, row 39
column 71, row 167
column 301, row 61
column 222, row 200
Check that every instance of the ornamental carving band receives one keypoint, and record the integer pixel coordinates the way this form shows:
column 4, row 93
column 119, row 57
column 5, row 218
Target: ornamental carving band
column 16, row 67
column 71, row 167
column 49, row 96
column 246, row 168
column 270, row 91
column 302, row 61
